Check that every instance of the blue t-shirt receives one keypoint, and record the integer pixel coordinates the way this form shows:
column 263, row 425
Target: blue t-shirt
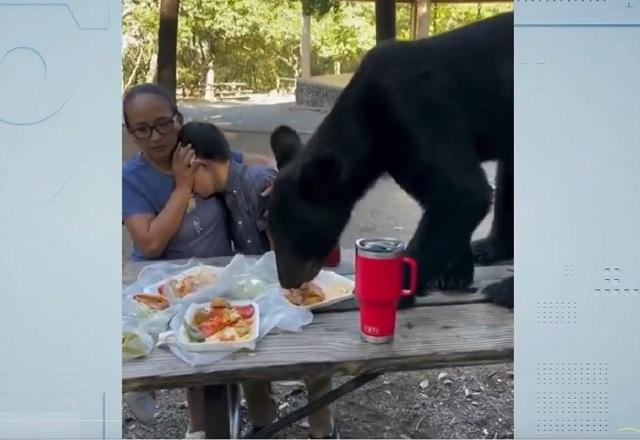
column 203, row 232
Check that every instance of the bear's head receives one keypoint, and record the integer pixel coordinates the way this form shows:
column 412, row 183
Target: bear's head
column 307, row 212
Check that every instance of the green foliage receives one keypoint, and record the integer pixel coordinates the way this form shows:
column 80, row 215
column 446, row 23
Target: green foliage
column 448, row 17
column 139, row 38
column 257, row 41
column 319, row 8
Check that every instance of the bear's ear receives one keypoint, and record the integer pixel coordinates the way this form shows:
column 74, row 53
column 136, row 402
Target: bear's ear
column 285, row 144
column 321, row 176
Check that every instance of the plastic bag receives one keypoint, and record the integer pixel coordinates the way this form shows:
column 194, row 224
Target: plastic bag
column 245, row 278
column 157, row 321
column 136, row 342
column 275, row 312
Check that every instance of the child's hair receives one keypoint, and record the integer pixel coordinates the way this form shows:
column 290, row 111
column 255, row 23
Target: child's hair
column 149, row 89
column 206, row 140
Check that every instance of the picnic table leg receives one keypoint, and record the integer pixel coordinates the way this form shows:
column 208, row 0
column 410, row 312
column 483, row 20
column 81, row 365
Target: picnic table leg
column 233, row 409
column 221, row 411
column 311, row 407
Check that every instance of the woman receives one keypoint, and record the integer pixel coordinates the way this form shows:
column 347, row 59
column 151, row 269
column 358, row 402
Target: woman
column 159, row 211
column 163, row 218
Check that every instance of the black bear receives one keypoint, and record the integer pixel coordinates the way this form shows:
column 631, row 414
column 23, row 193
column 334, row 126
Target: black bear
column 427, row 112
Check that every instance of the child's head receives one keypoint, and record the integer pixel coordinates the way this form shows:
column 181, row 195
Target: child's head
column 212, row 153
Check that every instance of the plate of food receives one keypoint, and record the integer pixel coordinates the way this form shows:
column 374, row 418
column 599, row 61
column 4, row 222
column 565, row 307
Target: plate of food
column 220, row 325
column 326, row 289
column 187, row 282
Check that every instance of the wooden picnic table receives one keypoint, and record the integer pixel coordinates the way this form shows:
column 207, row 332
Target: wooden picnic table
column 231, row 90
column 443, row 329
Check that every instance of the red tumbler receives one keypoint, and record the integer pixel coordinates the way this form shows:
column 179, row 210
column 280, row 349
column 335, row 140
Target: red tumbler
column 378, row 285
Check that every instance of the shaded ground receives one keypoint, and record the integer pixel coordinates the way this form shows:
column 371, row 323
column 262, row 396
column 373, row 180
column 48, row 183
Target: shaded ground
column 470, row 402
column 393, row 406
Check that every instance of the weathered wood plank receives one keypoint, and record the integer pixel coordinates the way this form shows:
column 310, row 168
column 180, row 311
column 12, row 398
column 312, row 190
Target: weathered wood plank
column 425, row 338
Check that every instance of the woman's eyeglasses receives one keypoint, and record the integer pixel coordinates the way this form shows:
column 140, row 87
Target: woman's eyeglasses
column 162, row 126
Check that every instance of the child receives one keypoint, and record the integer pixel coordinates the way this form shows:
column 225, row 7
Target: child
column 241, row 187
column 238, row 185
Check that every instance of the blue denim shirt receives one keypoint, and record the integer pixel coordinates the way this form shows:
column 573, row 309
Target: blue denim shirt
column 247, row 207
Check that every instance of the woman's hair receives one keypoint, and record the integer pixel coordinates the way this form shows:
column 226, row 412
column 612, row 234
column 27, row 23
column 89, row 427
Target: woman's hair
column 149, row 89
column 206, row 140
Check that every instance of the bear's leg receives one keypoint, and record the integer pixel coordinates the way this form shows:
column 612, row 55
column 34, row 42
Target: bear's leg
column 498, row 245
column 457, row 203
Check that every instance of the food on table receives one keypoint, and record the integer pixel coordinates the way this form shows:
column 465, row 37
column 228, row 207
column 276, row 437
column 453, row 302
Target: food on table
column 306, row 295
column 220, row 303
column 219, row 321
column 132, row 346
column 193, row 333
column 154, row 302
column 187, row 284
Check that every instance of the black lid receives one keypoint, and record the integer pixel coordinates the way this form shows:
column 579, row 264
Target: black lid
column 379, row 247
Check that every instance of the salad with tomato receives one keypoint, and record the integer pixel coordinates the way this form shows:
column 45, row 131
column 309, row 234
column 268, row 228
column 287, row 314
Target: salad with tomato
column 221, row 321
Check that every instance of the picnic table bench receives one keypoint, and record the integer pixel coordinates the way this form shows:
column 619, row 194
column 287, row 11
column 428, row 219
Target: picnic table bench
column 442, row 330
column 231, row 90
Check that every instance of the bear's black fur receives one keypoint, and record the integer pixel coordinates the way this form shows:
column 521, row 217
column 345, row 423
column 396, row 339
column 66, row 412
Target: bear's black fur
column 428, row 112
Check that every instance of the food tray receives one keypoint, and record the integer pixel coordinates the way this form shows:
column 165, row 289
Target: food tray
column 183, row 339
column 336, row 288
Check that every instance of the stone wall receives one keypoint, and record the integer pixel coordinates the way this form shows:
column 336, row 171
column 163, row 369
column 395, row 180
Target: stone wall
column 313, row 94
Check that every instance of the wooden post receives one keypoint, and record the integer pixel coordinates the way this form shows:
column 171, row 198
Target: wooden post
column 305, row 46
column 385, row 20
column 209, row 87
column 221, row 404
column 422, row 18
column 167, row 43
column 413, row 18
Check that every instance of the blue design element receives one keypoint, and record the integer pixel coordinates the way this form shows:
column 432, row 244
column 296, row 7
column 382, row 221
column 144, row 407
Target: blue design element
column 44, row 62
column 66, row 181
column 28, row 49
column 73, row 16
column 51, row 115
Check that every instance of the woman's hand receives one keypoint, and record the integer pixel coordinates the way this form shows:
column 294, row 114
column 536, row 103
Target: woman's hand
column 182, row 168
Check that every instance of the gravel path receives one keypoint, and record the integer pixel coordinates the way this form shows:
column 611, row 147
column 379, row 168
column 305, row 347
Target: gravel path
column 470, row 402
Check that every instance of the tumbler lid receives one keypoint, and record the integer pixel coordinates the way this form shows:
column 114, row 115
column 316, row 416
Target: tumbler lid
column 380, row 248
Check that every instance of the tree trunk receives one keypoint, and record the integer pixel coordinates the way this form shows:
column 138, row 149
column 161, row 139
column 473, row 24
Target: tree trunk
column 423, row 12
column 152, row 73
column 385, row 20
column 305, row 46
column 167, row 43
column 134, row 73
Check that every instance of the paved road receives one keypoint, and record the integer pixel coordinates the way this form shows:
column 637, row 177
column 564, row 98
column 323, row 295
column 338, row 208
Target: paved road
column 263, row 114
column 385, row 211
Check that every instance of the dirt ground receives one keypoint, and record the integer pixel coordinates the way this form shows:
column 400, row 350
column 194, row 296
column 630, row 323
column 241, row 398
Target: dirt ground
column 470, row 402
